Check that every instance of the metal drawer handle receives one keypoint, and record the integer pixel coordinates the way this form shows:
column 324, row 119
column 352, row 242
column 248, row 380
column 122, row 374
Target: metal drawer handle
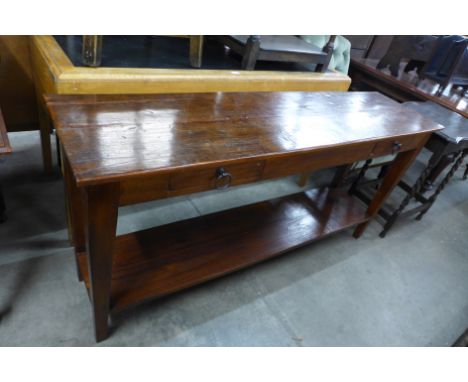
column 396, row 147
column 223, row 179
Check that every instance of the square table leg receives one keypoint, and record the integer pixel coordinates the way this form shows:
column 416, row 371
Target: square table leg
column 102, row 202
column 395, row 171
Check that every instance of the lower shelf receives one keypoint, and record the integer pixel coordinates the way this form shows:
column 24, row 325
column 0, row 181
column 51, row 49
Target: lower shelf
column 162, row 260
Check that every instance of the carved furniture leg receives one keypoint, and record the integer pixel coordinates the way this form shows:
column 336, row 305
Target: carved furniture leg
column 438, row 168
column 444, row 182
column 102, row 210
column 417, row 186
column 395, row 171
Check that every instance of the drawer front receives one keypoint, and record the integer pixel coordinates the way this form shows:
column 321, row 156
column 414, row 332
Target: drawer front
column 310, row 162
column 396, row 145
column 219, row 177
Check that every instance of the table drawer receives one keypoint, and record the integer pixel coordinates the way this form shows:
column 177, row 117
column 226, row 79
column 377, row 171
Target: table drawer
column 219, row 177
column 395, row 145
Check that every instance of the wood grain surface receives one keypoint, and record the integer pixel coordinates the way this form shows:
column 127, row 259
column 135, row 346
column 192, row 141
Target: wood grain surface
column 115, row 137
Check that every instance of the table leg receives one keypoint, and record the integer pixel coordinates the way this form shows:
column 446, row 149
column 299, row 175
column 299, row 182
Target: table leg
column 442, row 163
column 395, row 171
column 45, row 130
column 341, row 174
column 443, row 183
column 75, row 207
column 465, row 174
column 92, row 50
column 417, row 187
column 2, row 207
column 102, row 210
column 302, row 181
column 196, row 51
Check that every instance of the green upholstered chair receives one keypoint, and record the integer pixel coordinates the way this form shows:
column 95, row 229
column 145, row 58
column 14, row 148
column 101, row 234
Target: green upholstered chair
column 341, row 51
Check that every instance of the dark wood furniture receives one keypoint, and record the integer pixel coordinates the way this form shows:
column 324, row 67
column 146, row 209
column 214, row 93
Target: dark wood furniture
column 404, row 88
column 126, row 149
column 448, row 63
column 416, row 49
column 5, row 149
column 448, row 146
column 278, row 48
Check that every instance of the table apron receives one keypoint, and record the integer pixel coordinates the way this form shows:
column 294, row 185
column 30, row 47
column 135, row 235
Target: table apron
column 187, row 181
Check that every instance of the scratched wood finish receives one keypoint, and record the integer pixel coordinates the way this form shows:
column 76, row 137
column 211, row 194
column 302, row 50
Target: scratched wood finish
column 131, row 136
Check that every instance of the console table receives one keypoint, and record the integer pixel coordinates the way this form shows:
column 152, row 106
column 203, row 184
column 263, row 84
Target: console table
column 124, row 149
column 5, row 148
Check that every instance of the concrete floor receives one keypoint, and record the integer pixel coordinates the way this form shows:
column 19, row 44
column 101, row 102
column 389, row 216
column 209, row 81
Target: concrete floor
column 409, row 289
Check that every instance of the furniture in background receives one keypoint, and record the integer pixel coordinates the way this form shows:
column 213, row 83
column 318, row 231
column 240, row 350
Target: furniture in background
column 5, row 149
column 341, row 54
column 448, row 63
column 252, row 137
column 17, row 97
column 92, row 50
column 416, row 49
column 55, row 74
column 278, row 48
column 448, row 146
column 365, row 76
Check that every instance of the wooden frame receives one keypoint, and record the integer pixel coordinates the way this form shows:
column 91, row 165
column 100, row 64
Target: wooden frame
column 55, row 74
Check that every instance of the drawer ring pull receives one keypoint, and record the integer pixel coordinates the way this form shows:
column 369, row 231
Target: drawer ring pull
column 396, row 147
column 223, row 179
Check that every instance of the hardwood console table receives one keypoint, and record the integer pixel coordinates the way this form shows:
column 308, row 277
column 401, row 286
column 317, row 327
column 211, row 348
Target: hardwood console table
column 126, row 149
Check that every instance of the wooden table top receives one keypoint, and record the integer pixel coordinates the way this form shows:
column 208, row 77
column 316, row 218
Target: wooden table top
column 456, row 126
column 5, row 147
column 114, row 137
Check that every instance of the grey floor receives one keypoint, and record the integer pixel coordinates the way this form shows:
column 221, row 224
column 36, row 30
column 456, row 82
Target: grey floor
column 409, row 289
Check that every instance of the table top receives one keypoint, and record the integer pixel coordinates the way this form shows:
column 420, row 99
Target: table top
column 424, row 90
column 5, row 147
column 114, row 137
column 456, row 126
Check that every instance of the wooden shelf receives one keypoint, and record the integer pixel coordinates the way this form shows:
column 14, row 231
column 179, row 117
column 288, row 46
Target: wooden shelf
column 162, row 260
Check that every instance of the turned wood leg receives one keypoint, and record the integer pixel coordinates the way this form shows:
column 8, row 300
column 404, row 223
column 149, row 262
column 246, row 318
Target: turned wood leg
column 251, row 53
column 75, row 207
column 395, row 171
column 438, row 168
column 443, row 183
column 196, row 51
column 102, row 210
column 2, row 207
column 417, row 186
